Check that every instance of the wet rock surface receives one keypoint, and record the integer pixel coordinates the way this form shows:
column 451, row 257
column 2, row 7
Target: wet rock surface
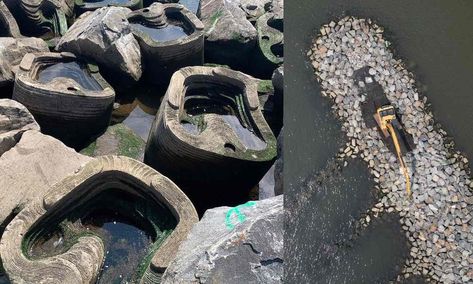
column 243, row 244
column 437, row 220
column 12, row 51
column 15, row 119
column 105, row 37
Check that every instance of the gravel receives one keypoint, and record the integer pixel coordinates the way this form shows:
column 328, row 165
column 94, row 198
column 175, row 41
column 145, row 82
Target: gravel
column 438, row 219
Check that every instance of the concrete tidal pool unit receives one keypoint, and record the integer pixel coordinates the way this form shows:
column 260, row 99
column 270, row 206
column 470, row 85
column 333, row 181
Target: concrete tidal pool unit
column 170, row 37
column 44, row 19
column 78, row 227
column 211, row 117
column 63, row 92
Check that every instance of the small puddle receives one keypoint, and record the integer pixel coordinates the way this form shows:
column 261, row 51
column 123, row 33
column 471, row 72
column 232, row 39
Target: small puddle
column 168, row 33
column 71, row 70
column 222, row 104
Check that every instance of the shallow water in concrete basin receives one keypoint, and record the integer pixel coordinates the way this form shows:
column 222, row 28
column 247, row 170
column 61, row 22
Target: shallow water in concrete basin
column 168, row 33
column 209, row 103
column 72, row 70
column 126, row 246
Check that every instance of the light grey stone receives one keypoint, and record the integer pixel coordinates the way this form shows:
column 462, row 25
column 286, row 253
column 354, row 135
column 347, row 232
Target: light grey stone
column 221, row 249
column 14, row 120
column 32, row 167
column 105, row 37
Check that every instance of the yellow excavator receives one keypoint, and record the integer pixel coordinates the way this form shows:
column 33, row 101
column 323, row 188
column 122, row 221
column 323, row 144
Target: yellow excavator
column 386, row 118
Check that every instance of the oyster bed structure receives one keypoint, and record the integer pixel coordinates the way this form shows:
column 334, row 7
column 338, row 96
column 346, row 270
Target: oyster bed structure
column 438, row 219
column 101, row 183
column 8, row 24
column 90, row 5
column 169, row 34
column 210, row 132
column 64, row 93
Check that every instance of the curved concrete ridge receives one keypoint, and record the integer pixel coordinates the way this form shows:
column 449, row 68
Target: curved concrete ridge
column 274, row 36
column 169, row 115
column 63, row 102
column 81, row 263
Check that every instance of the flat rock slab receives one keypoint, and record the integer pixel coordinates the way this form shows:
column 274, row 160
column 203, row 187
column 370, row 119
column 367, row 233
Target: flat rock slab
column 12, row 51
column 29, row 169
column 105, row 37
column 14, row 120
column 242, row 244
column 117, row 140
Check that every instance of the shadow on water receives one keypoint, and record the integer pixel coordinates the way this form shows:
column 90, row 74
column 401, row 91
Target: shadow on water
column 435, row 40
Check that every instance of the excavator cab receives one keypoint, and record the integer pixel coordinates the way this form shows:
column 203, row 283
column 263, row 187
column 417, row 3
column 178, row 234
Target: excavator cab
column 385, row 114
column 386, row 118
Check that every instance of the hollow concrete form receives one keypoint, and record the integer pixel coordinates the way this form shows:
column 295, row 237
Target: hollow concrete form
column 162, row 58
column 45, row 19
column 82, row 261
column 202, row 164
column 269, row 37
column 62, row 107
column 8, row 24
column 82, row 6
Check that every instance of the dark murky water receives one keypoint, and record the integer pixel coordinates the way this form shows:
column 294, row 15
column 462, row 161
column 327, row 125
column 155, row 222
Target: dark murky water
column 127, row 245
column 138, row 109
column 131, row 228
column 72, row 70
column 222, row 104
column 168, row 33
column 435, row 40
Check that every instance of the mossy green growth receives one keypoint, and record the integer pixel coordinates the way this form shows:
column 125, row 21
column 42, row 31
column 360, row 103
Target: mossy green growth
column 265, row 86
column 117, row 140
column 89, row 150
column 238, row 37
column 129, row 144
column 215, row 16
